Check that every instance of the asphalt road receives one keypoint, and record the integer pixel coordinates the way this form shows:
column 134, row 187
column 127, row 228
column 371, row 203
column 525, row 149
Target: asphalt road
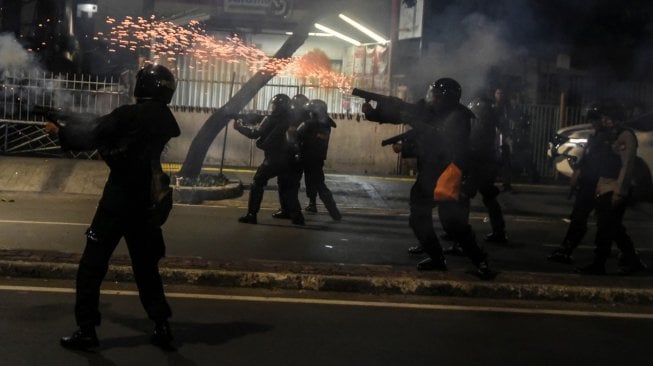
column 57, row 222
column 230, row 327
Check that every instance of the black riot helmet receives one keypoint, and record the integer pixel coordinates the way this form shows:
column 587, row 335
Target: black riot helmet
column 318, row 109
column 444, row 92
column 299, row 101
column 279, row 103
column 154, row 82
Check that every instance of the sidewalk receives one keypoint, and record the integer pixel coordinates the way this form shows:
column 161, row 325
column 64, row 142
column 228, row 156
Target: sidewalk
column 356, row 194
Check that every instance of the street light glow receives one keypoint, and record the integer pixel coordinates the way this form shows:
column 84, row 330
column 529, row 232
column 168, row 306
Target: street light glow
column 363, row 29
column 314, row 34
column 336, row 34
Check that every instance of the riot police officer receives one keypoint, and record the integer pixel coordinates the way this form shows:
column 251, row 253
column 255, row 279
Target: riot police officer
column 583, row 186
column 441, row 143
column 130, row 140
column 271, row 138
column 484, row 165
column 289, row 183
column 616, row 152
column 313, row 137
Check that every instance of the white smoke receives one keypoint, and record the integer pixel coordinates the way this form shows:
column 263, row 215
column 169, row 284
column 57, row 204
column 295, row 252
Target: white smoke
column 466, row 49
column 13, row 57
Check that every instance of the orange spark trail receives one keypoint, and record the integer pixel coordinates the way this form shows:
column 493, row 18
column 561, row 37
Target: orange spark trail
column 166, row 39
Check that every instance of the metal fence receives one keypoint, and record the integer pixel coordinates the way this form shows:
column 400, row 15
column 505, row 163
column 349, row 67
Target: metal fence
column 21, row 130
column 200, row 88
column 544, row 122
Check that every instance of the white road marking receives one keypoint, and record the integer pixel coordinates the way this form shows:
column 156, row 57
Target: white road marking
column 371, row 304
column 589, row 246
column 28, row 222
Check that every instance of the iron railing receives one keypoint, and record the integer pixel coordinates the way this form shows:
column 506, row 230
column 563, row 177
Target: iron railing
column 21, row 129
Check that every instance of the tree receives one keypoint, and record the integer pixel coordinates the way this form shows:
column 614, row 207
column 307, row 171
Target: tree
column 199, row 147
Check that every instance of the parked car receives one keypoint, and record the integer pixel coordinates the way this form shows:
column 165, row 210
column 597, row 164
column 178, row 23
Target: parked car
column 567, row 145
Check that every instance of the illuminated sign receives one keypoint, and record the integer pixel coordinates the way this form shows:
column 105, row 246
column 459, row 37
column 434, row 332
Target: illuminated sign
column 266, row 7
column 410, row 19
column 88, row 9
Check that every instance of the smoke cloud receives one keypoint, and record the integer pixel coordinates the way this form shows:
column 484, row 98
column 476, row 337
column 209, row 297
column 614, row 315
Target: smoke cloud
column 13, row 57
column 465, row 47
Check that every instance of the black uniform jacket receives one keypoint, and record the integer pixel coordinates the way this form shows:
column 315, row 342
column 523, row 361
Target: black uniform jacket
column 130, row 139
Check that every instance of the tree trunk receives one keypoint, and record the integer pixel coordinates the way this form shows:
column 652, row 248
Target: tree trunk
column 192, row 165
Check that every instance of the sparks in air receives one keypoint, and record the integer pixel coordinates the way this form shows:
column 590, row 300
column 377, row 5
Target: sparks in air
column 167, row 40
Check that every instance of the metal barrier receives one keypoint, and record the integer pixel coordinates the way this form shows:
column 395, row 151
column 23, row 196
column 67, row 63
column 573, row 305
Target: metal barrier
column 544, row 122
column 21, row 129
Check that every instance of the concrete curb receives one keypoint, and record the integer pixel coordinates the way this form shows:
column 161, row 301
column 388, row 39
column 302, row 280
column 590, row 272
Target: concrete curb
column 197, row 195
column 395, row 283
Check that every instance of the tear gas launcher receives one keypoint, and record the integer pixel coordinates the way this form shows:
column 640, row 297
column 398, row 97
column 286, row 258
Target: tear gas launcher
column 393, row 110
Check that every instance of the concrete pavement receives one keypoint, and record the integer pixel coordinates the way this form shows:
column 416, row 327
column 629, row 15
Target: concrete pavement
column 355, row 194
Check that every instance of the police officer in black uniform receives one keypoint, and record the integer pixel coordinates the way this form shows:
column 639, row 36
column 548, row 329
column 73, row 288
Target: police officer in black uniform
column 484, row 165
column 289, row 183
column 313, row 137
column 271, row 138
column 442, row 138
column 616, row 150
column 130, row 139
column 583, row 186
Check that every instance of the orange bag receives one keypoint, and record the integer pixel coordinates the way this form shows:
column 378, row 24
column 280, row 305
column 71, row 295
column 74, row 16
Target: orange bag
column 448, row 186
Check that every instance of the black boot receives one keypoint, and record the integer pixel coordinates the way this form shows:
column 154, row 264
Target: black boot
column 162, row 336
column 484, row 272
column 498, row 237
column 431, row 264
column 250, row 218
column 455, row 249
column 82, row 339
column 416, row 249
column 312, row 207
column 631, row 264
column 281, row 214
column 561, row 255
column 298, row 219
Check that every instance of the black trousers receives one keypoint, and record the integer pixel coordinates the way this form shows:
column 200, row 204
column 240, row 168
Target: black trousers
column 609, row 228
column 314, row 179
column 483, row 176
column 583, row 206
column 146, row 247
column 454, row 217
column 289, row 184
column 272, row 167
column 316, row 186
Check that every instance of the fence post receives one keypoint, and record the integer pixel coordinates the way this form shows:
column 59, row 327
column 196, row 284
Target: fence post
column 563, row 110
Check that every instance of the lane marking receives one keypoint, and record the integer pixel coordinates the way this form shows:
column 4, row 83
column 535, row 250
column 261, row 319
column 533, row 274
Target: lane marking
column 588, row 246
column 371, row 304
column 43, row 222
